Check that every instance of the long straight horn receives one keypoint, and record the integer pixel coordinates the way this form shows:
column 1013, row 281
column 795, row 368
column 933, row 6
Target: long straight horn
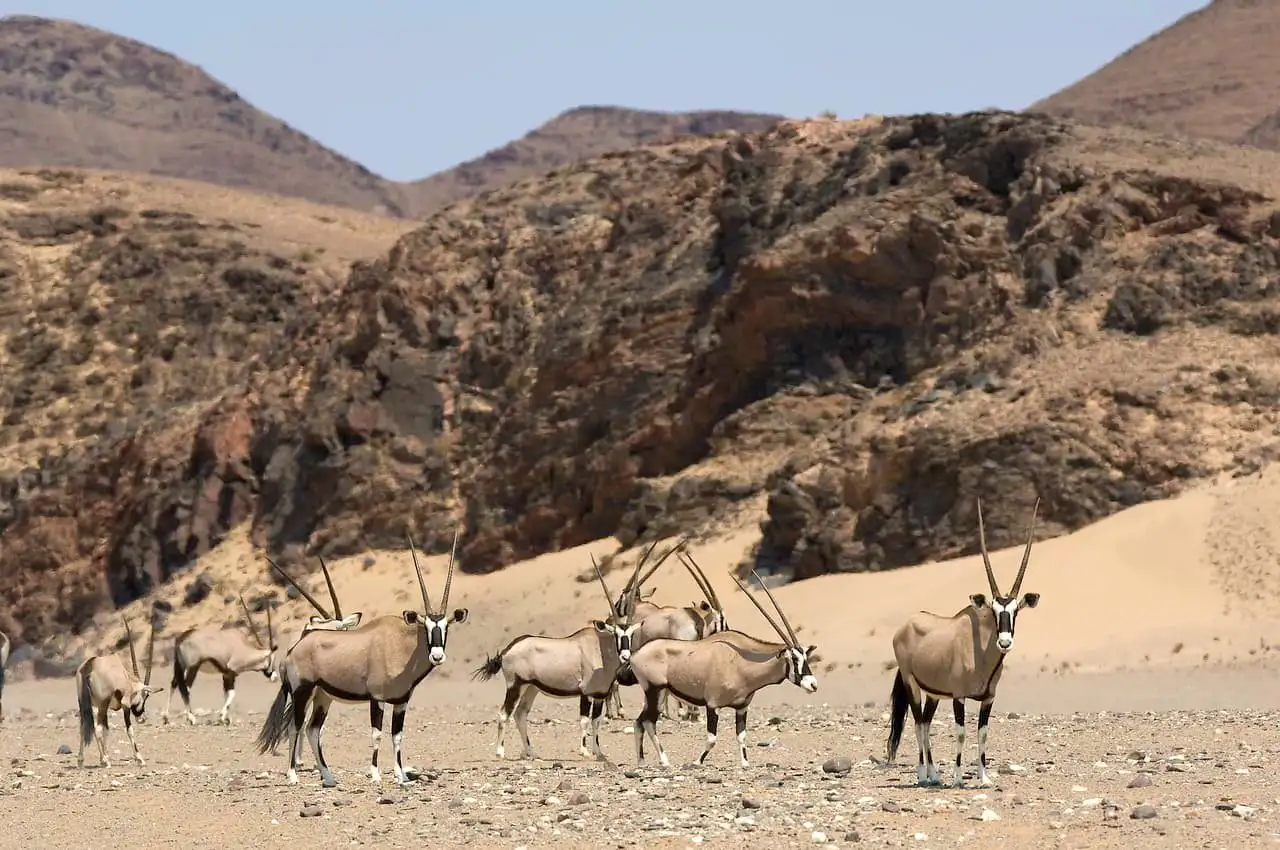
column 333, row 594
column 1026, row 554
column 448, row 578
column 608, row 597
column 697, row 579
column 761, row 609
column 678, row 547
column 795, row 641
column 271, row 629
column 986, row 559
column 707, row 587
column 626, row 588
column 151, row 654
column 417, row 568
column 324, row 612
column 253, row 627
column 133, row 656
column 635, row 591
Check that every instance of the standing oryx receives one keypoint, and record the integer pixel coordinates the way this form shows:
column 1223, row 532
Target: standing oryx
column 724, row 670
column 104, row 684
column 225, row 649
column 583, row 665
column 679, row 623
column 957, row 658
column 381, row 662
column 4, row 660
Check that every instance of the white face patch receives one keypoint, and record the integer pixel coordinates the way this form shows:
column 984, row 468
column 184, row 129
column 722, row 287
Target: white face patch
column 624, row 637
column 1005, row 613
column 800, row 671
column 437, row 634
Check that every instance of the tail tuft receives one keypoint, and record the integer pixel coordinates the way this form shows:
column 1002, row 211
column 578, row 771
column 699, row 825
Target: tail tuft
column 84, row 701
column 279, row 722
column 491, row 667
column 901, row 701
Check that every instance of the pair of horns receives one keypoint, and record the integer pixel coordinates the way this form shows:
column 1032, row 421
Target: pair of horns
column 422, row 582
column 632, row 588
column 628, row 598
column 1026, row 554
column 789, row 636
column 328, row 580
column 133, row 656
column 700, row 578
column 253, row 626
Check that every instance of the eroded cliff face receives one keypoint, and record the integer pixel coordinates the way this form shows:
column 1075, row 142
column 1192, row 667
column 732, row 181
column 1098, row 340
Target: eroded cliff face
column 863, row 324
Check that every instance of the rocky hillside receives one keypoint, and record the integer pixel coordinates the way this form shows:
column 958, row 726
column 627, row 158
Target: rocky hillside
column 1214, row 73
column 845, row 329
column 76, row 96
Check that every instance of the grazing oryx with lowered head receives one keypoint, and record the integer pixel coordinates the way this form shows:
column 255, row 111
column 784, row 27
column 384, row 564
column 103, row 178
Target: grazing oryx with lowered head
column 4, row 659
column 724, row 670
column 104, row 684
column 383, row 661
column 581, row 665
column 225, row 649
column 680, row 623
column 957, row 658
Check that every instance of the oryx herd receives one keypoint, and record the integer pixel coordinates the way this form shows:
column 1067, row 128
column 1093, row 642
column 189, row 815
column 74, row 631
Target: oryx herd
column 687, row 652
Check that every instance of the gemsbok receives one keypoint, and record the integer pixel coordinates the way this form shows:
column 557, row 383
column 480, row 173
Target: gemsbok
column 724, row 670
column 382, row 661
column 322, row 619
column 957, row 658
column 679, row 623
column 4, row 660
column 103, row 685
column 225, row 649
column 581, row 665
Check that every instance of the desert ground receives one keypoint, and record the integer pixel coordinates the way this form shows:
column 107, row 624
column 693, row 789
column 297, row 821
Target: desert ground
column 1139, row 705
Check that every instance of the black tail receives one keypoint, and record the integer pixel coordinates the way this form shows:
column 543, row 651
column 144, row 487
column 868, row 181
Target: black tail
column 179, row 682
column 85, row 702
column 491, row 667
column 279, row 722
column 901, row 701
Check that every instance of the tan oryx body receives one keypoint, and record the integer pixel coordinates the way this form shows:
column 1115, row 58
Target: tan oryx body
column 104, row 684
column 4, row 660
column 689, row 622
column 583, row 665
column 225, row 649
column 381, row 661
column 725, row 670
column 957, row 658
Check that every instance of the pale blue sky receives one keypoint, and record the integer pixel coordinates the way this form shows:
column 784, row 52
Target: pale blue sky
column 409, row 88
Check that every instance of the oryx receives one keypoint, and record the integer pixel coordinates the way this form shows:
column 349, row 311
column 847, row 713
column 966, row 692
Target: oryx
column 104, row 684
column 581, row 665
column 957, row 658
column 680, row 623
column 322, row 619
column 380, row 662
column 225, row 649
column 724, row 670
column 4, row 660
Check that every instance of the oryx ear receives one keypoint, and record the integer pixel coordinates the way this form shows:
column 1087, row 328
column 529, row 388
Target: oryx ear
column 704, row 605
column 410, row 617
column 811, row 650
column 459, row 615
column 153, row 690
column 600, row 626
column 1030, row 600
column 978, row 600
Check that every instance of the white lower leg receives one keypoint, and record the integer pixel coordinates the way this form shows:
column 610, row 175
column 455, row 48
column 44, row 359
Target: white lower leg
column 595, row 737
column 225, row 715
column 133, row 742
column 983, row 776
column 584, row 721
column 959, row 774
column 922, row 774
column 933, row 774
column 375, row 775
column 397, row 749
column 502, row 728
column 102, row 745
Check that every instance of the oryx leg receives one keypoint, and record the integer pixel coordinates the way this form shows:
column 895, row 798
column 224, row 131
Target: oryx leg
column 189, row 679
column 397, row 740
column 522, row 719
column 133, row 740
column 613, row 703
column 376, row 715
column 301, row 696
column 927, row 771
column 647, row 723
column 315, row 729
column 584, row 720
column 958, row 706
column 509, row 702
column 740, row 726
column 984, row 717
column 597, row 708
column 100, row 732
column 229, row 693
column 713, row 723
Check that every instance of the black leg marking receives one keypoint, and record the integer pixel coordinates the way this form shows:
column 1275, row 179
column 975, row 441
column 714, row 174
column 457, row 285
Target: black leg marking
column 740, row 727
column 397, row 739
column 984, row 717
column 957, row 706
column 376, row 715
column 713, row 725
column 301, row 697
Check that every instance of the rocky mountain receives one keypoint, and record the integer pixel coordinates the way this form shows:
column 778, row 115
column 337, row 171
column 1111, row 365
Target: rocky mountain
column 76, row 96
column 1213, row 74
column 847, row 329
